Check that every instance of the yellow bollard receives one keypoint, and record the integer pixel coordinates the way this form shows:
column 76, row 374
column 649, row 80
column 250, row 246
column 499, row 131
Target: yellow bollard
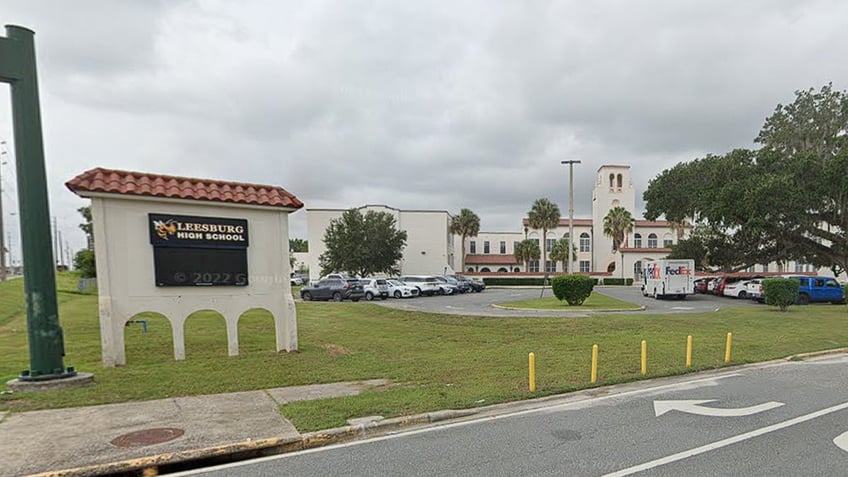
column 727, row 348
column 532, row 359
column 594, row 363
column 689, row 351
column 644, row 358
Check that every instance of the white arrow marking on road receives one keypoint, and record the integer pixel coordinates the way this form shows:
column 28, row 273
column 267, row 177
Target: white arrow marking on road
column 693, row 407
column 841, row 441
column 682, row 308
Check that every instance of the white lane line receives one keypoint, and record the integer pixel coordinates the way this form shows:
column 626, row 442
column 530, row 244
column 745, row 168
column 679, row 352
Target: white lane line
column 726, row 442
column 841, row 441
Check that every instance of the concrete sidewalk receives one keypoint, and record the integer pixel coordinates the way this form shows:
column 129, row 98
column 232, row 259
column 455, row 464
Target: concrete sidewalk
column 88, row 439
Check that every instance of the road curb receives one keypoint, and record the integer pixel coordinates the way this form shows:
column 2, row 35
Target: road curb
column 597, row 310
column 259, row 448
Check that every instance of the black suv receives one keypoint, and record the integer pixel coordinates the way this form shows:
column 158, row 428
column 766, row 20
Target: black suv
column 335, row 289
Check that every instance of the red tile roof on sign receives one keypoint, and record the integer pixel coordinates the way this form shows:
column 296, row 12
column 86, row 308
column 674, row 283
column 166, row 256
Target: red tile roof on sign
column 109, row 181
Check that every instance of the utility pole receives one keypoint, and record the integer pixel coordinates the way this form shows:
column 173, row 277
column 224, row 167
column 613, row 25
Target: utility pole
column 46, row 342
column 570, row 213
column 2, row 244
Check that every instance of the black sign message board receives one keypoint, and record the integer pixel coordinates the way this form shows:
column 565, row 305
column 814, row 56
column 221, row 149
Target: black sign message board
column 198, row 251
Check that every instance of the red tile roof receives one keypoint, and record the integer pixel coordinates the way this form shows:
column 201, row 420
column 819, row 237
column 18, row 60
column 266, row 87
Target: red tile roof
column 564, row 222
column 481, row 259
column 111, row 181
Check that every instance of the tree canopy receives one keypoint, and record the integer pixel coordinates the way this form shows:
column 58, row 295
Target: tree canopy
column 363, row 244
column 466, row 224
column 527, row 250
column 617, row 223
column 297, row 245
column 544, row 215
column 559, row 253
column 784, row 201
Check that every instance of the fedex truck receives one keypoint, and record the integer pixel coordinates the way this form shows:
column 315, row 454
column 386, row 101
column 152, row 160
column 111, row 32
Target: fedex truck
column 664, row 278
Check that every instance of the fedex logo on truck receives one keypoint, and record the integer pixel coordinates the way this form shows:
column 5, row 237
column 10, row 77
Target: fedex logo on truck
column 653, row 270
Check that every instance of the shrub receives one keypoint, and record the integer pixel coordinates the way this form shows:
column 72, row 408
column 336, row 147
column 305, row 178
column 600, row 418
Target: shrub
column 574, row 289
column 781, row 292
column 618, row 281
column 84, row 263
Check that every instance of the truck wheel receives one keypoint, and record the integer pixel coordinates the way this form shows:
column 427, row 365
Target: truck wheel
column 804, row 299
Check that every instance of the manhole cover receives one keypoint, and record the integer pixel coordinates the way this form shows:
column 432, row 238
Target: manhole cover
column 147, row 437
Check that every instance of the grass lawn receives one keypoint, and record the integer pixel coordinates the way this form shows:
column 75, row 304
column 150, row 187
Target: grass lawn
column 435, row 361
column 596, row 301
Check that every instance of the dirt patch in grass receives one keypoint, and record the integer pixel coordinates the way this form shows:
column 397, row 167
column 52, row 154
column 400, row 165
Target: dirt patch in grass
column 337, row 350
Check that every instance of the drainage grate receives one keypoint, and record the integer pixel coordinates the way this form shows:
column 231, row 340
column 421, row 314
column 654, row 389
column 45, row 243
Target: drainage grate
column 147, row 437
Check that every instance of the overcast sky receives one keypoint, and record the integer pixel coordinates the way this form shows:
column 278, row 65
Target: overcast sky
column 415, row 105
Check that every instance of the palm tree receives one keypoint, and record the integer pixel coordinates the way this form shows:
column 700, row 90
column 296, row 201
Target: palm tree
column 525, row 251
column 466, row 224
column 617, row 224
column 559, row 253
column 543, row 215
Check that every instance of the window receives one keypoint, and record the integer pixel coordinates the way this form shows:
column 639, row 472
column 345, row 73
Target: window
column 486, row 248
column 503, row 247
column 516, row 269
column 549, row 244
column 472, row 247
column 485, row 269
column 514, row 246
column 584, row 242
column 765, row 268
column 637, row 240
column 584, row 266
column 667, row 242
column 502, row 270
column 612, row 180
column 534, row 265
column 550, row 266
column 618, row 181
column 652, row 241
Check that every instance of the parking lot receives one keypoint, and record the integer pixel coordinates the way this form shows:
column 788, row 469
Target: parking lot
column 480, row 304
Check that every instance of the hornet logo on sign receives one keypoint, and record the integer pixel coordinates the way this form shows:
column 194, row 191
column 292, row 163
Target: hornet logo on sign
column 165, row 229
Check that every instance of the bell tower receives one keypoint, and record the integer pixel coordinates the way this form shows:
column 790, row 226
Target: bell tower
column 613, row 188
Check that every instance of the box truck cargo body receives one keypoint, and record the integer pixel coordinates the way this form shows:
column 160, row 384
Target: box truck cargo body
column 663, row 278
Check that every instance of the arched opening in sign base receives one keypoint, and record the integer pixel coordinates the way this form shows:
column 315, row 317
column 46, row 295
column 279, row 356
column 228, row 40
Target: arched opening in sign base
column 148, row 339
column 205, row 334
column 256, row 330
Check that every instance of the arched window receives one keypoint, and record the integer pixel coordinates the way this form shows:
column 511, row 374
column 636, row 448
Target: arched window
column 611, row 267
column 502, row 270
column 637, row 270
column 667, row 241
column 485, row 269
column 618, row 181
column 612, row 180
column 470, row 270
column 652, row 241
column 516, row 269
column 584, row 242
column 637, row 240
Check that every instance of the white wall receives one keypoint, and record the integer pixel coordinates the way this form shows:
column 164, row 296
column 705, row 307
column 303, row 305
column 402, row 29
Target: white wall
column 126, row 275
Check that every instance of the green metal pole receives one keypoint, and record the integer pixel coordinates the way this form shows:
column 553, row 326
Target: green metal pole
column 46, row 345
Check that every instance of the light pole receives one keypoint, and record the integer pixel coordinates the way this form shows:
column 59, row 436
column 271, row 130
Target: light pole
column 570, row 213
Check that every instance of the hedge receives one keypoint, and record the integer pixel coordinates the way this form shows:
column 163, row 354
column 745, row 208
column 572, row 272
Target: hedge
column 618, row 281
column 522, row 281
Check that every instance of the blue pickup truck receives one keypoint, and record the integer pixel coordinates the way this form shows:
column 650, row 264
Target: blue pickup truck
column 819, row 289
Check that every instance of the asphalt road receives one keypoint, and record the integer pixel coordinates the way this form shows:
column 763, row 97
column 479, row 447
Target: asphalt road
column 481, row 303
column 778, row 419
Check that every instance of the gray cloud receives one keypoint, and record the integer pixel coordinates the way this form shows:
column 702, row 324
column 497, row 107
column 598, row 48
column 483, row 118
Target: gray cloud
column 438, row 105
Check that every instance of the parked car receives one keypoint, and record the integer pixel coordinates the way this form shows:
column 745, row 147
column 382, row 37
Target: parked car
column 375, row 287
column 426, row 284
column 701, row 285
column 473, row 284
column 819, row 289
column 297, row 279
column 754, row 289
column 461, row 286
column 737, row 289
column 399, row 289
column 446, row 287
column 718, row 288
column 334, row 289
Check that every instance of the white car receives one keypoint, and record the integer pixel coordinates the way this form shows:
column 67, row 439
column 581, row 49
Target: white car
column 398, row 289
column 737, row 289
column 426, row 284
column 375, row 288
column 754, row 289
